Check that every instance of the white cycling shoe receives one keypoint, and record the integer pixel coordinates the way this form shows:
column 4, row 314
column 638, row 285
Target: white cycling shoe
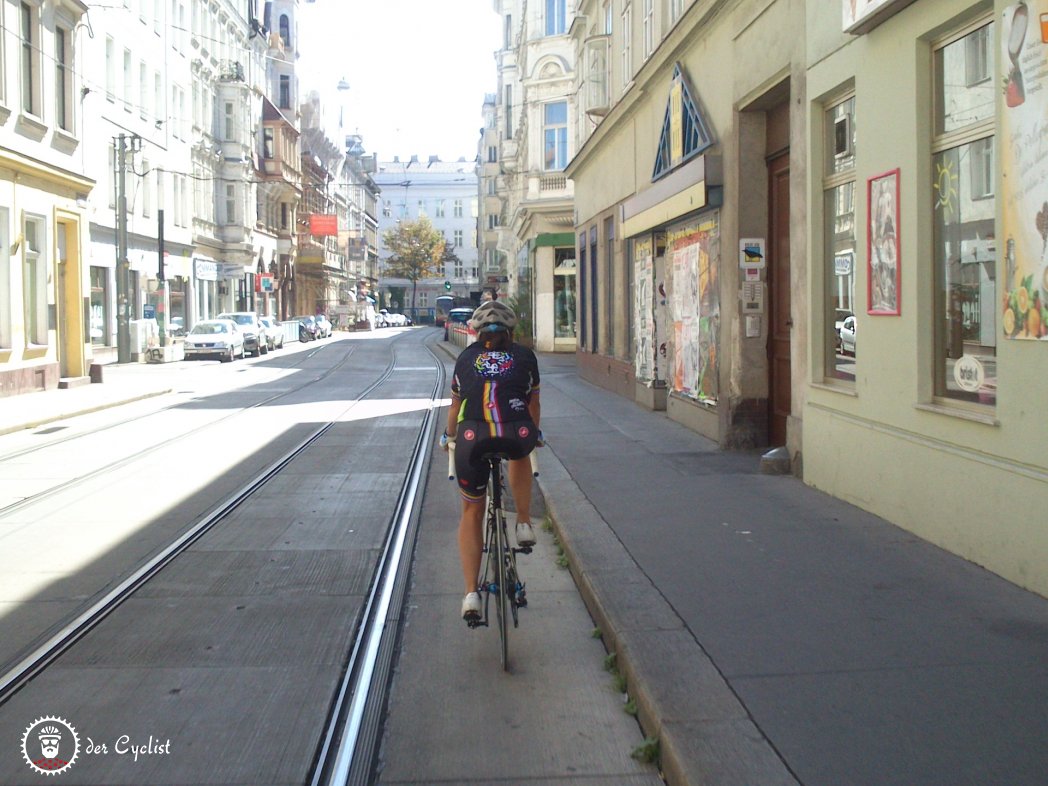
column 471, row 607
column 525, row 534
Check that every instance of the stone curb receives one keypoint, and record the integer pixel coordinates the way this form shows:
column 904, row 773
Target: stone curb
column 705, row 734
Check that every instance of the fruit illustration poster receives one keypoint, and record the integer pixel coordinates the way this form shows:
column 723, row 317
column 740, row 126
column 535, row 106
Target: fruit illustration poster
column 1024, row 166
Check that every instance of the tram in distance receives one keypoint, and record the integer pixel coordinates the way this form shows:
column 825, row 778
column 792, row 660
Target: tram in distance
column 445, row 303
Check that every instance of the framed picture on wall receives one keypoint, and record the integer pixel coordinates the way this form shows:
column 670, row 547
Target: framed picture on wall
column 882, row 244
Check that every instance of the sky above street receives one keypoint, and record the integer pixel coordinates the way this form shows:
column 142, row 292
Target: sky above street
column 417, row 71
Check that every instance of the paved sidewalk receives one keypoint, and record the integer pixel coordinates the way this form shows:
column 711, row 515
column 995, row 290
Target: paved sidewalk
column 772, row 634
column 121, row 384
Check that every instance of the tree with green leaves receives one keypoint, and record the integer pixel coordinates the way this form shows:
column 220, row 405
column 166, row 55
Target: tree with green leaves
column 417, row 251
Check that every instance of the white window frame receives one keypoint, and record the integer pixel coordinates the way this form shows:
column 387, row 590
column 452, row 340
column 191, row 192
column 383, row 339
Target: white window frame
column 556, row 23
column 147, row 189
column 457, row 238
column 649, row 28
column 34, row 279
column 29, row 60
column 6, row 304
column 440, row 209
column 456, row 208
column 231, row 203
column 65, row 107
column 558, row 129
column 627, row 44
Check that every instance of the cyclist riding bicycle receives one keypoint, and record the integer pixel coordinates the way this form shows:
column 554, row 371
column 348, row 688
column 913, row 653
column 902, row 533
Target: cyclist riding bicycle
column 494, row 409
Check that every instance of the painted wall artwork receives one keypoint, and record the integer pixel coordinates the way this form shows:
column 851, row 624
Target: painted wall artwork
column 1024, row 153
column 694, row 252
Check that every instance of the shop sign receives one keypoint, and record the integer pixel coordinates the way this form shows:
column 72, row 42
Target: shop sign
column 263, row 283
column 321, row 225
column 205, row 269
column 844, row 263
column 969, row 374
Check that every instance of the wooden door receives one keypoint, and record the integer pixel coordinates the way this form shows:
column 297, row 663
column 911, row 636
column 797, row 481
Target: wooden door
column 780, row 322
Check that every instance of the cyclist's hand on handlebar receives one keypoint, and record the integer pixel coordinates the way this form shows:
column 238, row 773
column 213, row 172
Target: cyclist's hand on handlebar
column 446, row 441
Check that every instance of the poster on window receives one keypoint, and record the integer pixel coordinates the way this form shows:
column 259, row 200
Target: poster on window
column 694, row 251
column 643, row 307
column 1024, row 152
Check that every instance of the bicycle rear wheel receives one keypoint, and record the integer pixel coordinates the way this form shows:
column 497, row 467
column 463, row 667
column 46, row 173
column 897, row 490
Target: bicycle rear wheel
column 503, row 588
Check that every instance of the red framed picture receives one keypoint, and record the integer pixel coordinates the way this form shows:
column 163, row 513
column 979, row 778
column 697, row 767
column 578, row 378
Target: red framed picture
column 883, row 264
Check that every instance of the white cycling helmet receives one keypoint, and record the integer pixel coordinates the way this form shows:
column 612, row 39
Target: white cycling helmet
column 493, row 315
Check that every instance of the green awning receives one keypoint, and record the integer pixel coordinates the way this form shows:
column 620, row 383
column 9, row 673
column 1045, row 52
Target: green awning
column 555, row 239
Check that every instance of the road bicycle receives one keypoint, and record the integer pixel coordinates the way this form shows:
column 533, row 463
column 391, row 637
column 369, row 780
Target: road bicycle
column 499, row 583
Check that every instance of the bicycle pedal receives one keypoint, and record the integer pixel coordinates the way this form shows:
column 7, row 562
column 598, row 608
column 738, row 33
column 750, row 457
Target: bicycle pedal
column 522, row 550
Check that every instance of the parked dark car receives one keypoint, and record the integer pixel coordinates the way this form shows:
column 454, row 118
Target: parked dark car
column 307, row 327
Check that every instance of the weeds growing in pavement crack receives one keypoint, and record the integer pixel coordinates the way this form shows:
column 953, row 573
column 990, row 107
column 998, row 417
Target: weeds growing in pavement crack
column 647, row 751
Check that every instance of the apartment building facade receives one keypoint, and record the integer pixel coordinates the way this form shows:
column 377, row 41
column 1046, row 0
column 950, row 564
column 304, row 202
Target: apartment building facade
column 44, row 182
column 761, row 182
column 536, row 113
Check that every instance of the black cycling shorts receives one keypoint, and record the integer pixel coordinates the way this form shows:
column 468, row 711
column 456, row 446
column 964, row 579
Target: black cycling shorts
column 473, row 440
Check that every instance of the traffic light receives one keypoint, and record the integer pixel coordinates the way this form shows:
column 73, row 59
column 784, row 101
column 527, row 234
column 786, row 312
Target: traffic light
column 447, row 286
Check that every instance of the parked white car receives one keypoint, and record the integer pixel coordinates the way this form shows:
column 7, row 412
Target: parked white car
column 274, row 333
column 848, row 336
column 214, row 338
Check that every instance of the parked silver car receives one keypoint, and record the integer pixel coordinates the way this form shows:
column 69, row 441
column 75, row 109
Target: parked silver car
column 324, row 326
column 254, row 338
column 214, row 338
column 274, row 333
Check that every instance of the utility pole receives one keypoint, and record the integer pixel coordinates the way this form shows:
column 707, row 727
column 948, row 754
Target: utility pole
column 123, row 304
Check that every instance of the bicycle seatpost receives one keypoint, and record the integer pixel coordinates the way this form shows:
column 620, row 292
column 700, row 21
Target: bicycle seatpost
column 451, row 459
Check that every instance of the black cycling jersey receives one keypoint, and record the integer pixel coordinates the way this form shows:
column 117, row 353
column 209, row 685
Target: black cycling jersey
column 495, row 385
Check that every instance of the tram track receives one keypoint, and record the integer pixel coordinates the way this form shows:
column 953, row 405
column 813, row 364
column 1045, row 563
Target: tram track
column 363, row 663
column 136, row 455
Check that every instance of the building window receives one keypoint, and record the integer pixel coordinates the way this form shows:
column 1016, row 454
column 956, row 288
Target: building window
column 28, row 22
column 34, row 280
column 676, row 9
column 63, row 82
column 964, row 225
column 491, row 260
column 627, row 48
column 143, row 90
column 507, row 33
column 493, row 220
column 230, row 124
column 440, row 208
column 147, row 189
column 556, row 15
column 3, row 59
column 99, row 305
column 609, row 16
column 507, row 108
column 459, row 270
column 456, row 208
column 267, row 143
column 838, row 188
column 586, row 304
column 493, row 154
column 158, row 98
column 285, row 91
column 423, row 299
column 555, row 136
column 564, row 293
column 421, row 207
column 285, row 30
column 129, row 80
column 649, row 27
column 457, row 238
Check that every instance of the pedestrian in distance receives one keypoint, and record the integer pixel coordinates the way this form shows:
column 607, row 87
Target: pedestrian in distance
column 494, row 409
